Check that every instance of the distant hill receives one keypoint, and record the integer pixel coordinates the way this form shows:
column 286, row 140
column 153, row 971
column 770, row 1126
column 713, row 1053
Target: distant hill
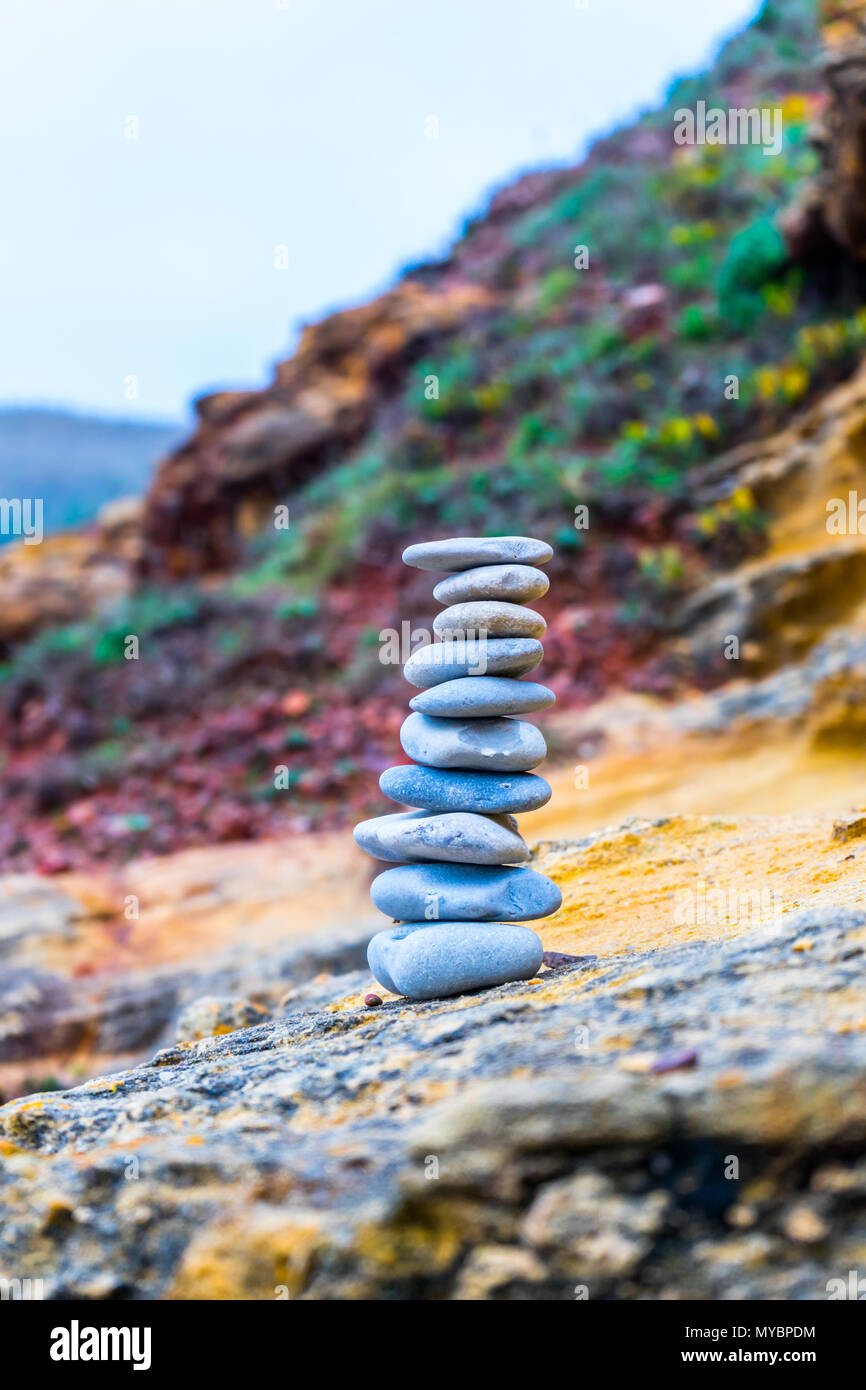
column 75, row 463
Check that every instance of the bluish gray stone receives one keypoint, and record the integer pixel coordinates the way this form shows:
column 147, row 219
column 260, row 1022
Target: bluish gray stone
column 485, row 616
column 464, row 892
column 479, row 697
column 376, row 954
column 440, row 789
column 508, row 583
column 465, row 552
column 495, row 656
column 458, row 837
column 424, row 960
column 489, row 745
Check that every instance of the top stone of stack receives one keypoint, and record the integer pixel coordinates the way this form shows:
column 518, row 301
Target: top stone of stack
column 465, row 552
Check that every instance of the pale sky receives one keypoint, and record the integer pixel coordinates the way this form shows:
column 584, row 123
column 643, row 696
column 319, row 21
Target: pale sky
column 275, row 123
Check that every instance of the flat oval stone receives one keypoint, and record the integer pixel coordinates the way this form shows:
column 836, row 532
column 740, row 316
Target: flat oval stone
column 508, row 583
column 464, row 892
column 489, row 745
column 457, row 837
column 494, row 619
column 448, row 661
column 478, row 697
column 424, row 960
column 440, row 789
column 465, row 552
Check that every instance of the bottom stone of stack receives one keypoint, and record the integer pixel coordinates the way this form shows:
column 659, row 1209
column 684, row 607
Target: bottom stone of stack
column 430, row 960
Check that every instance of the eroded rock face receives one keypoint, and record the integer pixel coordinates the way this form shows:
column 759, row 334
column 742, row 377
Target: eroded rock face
column 70, row 574
column 252, row 447
column 217, row 938
column 832, row 208
column 684, row 1120
column 811, row 578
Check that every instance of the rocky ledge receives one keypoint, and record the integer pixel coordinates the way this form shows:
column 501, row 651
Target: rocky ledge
column 683, row 1118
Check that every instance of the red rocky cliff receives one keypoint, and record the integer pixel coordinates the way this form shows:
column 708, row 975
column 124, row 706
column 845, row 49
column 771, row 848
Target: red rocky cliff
column 252, row 447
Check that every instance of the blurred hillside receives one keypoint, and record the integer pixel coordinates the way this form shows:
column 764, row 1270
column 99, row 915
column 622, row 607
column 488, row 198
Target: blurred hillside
column 577, row 348
column 77, row 463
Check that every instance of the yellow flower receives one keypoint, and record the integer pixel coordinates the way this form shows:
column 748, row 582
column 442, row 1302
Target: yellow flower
column 832, row 336
column 492, row 396
column 676, row 431
column 794, row 381
column 635, row 429
column 795, row 108
column 706, row 425
column 742, row 500
column 767, row 382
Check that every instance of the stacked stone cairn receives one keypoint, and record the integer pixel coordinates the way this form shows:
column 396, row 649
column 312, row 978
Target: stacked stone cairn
column 458, row 896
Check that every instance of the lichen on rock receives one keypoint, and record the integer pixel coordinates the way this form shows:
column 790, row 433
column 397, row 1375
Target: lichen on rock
column 513, row 1143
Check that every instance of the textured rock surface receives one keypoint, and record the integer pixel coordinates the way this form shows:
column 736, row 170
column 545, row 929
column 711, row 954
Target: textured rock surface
column 573, row 1129
column 86, row 988
column 210, row 1016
